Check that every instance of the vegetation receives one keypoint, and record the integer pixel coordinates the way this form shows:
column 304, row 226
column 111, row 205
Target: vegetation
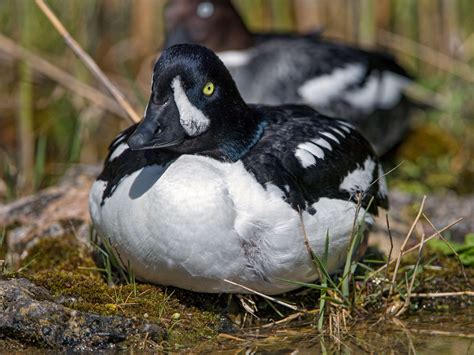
column 333, row 310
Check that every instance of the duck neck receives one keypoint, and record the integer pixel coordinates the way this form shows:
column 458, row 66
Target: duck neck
column 236, row 36
column 241, row 140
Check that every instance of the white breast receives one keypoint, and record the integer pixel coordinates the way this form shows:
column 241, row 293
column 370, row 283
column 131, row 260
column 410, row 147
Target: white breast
column 202, row 221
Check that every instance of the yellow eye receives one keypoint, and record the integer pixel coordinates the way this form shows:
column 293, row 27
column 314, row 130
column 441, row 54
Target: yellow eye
column 208, row 89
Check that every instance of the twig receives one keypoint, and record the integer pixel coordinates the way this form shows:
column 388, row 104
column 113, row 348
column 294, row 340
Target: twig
column 426, row 54
column 402, row 249
column 387, row 173
column 305, row 236
column 416, row 246
column 249, row 306
column 412, row 282
column 356, row 227
column 284, row 320
column 45, row 68
column 88, row 61
column 391, row 241
column 263, row 295
column 230, row 337
column 443, row 333
column 443, row 294
column 449, row 246
column 428, row 97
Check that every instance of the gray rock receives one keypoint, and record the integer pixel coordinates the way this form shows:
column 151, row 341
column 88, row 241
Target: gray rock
column 30, row 315
column 441, row 209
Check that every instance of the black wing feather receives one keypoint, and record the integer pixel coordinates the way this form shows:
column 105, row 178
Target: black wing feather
column 273, row 159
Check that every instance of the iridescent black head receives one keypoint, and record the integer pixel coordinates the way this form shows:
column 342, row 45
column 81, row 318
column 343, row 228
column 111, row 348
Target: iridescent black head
column 194, row 106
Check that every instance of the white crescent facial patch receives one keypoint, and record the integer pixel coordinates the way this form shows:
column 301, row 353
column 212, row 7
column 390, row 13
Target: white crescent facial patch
column 191, row 118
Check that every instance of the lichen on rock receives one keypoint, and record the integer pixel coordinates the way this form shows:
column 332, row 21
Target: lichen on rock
column 29, row 314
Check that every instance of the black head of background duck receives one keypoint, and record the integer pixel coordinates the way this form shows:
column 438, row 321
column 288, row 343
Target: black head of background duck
column 202, row 22
column 217, row 25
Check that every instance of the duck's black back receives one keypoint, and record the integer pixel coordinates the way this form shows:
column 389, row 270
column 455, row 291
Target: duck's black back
column 273, row 159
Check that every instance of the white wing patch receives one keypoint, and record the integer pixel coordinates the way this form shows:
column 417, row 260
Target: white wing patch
column 118, row 151
column 345, row 123
column 322, row 89
column 360, row 178
column 365, row 97
column 345, row 129
column 338, row 132
column 380, row 90
column 306, row 158
column 331, row 136
column 322, row 143
column 234, row 58
column 308, row 151
column 191, row 118
column 391, row 90
column 313, row 149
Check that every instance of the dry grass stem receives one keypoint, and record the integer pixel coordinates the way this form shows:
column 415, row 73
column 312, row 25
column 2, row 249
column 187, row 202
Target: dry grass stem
column 45, row 68
column 402, row 249
column 415, row 247
column 284, row 304
column 426, row 54
column 230, row 337
column 449, row 246
column 443, row 294
column 387, row 221
column 412, row 282
column 428, row 97
column 305, row 236
column 88, row 61
column 288, row 319
column 443, row 333
column 387, row 173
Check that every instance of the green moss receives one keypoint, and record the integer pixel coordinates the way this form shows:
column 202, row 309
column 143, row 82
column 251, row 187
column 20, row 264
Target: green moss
column 59, row 254
column 66, row 268
column 434, row 159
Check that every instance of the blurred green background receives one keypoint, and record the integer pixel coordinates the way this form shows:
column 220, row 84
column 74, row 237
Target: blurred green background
column 46, row 125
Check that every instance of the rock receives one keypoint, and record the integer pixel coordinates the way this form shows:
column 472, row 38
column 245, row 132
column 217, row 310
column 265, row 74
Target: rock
column 441, row 209
column 30, row 315
column 52, row 212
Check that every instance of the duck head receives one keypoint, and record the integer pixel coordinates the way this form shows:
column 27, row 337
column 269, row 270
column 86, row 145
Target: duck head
column 195, row 107
column 203, row 22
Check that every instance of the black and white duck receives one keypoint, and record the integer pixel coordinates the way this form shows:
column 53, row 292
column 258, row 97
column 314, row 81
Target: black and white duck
column 208, row 188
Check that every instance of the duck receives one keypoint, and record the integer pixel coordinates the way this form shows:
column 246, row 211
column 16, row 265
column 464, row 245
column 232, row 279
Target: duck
column 208, row 193
column 363, row 86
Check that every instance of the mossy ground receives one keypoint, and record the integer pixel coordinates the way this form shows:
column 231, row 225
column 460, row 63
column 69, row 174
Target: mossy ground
column 67, row 269
column 434, row 161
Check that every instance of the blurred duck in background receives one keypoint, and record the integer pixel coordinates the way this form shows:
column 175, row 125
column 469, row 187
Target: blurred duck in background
column 338, row 80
